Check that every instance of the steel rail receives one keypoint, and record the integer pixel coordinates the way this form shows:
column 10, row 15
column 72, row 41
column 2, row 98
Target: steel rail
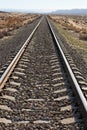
column 10, row 68
column 74, row 82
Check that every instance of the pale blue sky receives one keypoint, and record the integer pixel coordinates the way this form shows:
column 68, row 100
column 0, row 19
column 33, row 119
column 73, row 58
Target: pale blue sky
column 42, row 4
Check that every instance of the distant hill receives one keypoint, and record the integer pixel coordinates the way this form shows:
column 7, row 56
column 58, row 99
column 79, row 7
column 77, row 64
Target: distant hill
column 2, row 12
column 72, row 11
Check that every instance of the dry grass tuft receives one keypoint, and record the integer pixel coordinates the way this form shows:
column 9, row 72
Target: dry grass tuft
column 84, row 30
column 82, row 36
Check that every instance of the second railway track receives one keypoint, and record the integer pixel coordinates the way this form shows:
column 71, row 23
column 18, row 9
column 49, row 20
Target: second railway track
column 38, row 95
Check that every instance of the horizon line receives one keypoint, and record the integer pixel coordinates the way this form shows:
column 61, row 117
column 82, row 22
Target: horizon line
column 38, row 10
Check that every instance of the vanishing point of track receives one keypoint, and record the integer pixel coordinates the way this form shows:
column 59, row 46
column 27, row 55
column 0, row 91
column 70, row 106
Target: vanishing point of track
column 42, row 89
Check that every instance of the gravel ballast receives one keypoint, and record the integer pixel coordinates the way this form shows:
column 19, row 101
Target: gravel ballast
column 10, row 46
column 32, row 94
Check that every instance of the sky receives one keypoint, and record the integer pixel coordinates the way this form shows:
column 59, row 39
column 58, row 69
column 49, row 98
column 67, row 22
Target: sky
column 44, row 5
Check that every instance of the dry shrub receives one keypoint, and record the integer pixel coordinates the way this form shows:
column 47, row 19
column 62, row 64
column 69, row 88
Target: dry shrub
column 82, row 36
column 84, row 30
column 76, row 29
column 6, row 33
column 1, row 35
column 14, row 22
column 71, row 27
column 67, row 26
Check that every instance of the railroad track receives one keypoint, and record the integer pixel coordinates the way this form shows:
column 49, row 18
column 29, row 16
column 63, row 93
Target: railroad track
column 42, row 89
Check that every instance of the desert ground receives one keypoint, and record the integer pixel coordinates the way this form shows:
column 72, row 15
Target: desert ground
column 13, row 21
column 76, row 24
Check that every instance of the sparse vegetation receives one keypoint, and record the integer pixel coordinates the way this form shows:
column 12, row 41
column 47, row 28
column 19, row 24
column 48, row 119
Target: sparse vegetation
column 76, row 24
column 12, row 21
